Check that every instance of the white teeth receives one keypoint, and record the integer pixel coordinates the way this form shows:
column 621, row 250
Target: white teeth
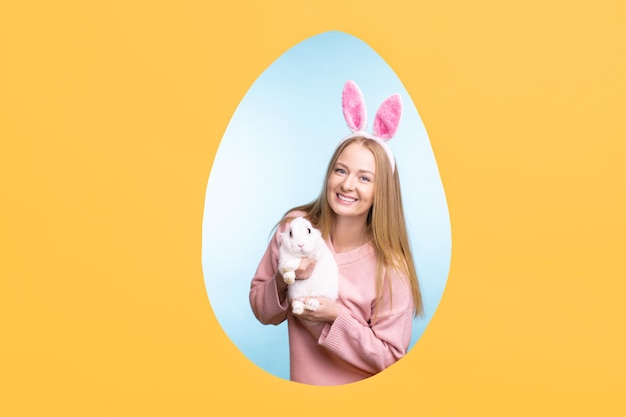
column 346, row 199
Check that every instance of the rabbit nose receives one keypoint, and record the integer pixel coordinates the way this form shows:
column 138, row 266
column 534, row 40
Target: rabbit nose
column 301, row 244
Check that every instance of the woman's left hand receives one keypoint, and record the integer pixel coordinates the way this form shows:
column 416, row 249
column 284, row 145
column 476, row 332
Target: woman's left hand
column 327, row 311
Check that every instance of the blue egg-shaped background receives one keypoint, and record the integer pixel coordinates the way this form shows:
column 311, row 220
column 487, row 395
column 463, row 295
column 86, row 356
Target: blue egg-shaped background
column 273, row 157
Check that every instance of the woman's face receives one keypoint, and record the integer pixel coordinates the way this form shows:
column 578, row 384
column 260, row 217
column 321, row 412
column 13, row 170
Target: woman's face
column 350, row 188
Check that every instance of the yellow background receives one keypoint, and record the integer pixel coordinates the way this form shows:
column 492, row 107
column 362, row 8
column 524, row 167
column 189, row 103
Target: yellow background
column 111, row 113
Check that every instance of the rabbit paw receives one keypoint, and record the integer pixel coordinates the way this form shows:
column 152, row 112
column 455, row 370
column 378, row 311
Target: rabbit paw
column 289, row 277
column 297, row 307
column 312, row 304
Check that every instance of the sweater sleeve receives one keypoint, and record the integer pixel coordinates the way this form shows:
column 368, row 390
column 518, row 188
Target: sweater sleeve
column 264, row 297
column 373, row 347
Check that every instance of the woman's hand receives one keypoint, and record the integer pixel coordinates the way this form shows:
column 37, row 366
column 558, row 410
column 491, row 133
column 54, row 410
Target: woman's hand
column 327, row 311
column 305, row 269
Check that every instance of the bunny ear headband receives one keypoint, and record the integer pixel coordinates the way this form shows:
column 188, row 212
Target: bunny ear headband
column 385, row 123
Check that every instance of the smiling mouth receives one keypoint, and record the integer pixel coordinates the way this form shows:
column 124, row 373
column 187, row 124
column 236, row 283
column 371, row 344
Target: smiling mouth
column 346, row 199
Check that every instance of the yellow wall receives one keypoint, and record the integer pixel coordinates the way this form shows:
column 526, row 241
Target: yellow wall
column 111, row 112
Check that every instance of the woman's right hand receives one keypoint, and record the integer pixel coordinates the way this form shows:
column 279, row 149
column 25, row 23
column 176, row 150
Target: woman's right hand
column 305, row 269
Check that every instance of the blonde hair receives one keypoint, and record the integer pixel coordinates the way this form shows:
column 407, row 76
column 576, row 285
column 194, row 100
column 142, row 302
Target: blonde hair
column 385, row 221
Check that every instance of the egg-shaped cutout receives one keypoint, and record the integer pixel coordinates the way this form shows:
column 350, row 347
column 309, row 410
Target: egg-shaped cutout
column 273, row 156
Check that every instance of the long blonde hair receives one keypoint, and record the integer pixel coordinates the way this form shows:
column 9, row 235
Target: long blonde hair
column 385, row 221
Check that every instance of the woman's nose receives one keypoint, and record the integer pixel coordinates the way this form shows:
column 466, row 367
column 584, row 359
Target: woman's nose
column 348, row 183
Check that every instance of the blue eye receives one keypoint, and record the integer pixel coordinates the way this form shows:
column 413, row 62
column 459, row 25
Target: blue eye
column 366, row 179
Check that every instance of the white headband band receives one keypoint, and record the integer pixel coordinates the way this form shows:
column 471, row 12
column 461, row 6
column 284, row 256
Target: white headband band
column 385, row 123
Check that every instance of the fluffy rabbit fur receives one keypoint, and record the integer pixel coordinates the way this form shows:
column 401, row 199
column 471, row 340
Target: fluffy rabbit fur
column 301, row 240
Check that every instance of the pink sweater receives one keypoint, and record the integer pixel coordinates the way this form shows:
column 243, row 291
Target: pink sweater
column 350, row 349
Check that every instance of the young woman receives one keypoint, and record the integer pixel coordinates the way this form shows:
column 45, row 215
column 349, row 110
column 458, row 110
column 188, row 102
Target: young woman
column 360, row 215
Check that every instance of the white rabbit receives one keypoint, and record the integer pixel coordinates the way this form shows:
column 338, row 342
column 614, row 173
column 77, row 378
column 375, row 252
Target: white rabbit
column 301, row 240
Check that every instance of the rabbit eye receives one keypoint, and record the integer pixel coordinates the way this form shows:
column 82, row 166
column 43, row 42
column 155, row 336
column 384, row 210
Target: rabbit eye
column 309, row 229
column 290, row 233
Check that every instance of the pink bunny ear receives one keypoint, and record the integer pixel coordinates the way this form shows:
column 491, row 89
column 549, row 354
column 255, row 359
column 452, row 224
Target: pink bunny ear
column 388, row 117
column 353, row 106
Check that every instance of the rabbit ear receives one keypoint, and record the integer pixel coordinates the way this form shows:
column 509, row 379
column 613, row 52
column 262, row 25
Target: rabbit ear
column 353, row 106
column 388, row 117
